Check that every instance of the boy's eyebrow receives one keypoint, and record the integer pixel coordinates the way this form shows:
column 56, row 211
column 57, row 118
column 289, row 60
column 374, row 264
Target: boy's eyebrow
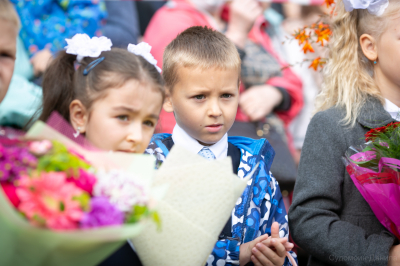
column 207, row 90
column 154, row 116
column 131, row 110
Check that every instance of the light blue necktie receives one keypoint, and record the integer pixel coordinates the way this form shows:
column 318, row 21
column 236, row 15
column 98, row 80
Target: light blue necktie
column 207, row 153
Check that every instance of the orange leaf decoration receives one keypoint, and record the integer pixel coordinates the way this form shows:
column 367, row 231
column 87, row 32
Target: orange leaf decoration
column 322, row 26
column 301, row 36
column 308, row 48
column 317, row 62
column 329, row 3
column 323, row 35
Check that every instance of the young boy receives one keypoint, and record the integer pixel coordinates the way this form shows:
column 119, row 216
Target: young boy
column 9, row 27
column 201, row 69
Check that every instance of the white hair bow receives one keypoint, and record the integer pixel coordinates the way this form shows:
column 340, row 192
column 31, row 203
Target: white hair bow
column 143, row 49
column 375, row 7
column 84, row 46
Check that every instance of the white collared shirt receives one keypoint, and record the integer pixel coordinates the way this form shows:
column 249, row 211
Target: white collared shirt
column 392, row 109
column 180, row 137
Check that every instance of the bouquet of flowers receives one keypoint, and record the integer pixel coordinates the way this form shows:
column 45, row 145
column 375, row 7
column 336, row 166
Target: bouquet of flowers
column 69, row 205
column 75, row 205
column 375, row 170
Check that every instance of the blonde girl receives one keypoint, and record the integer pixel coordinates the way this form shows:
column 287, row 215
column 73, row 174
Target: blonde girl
column 329, row 218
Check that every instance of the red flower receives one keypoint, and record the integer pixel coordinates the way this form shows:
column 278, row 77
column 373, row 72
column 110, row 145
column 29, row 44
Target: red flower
column 9, row 189
column 375, row 132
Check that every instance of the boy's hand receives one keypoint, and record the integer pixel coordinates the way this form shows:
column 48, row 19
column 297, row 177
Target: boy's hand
column 273, row 250
column 246, row 249
column 265, row 256
column 243, row 14
column 40, row 61
column 259, row 101
column 275, row 234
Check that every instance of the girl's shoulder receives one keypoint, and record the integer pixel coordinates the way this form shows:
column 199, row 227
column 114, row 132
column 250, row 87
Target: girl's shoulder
column 333, row 115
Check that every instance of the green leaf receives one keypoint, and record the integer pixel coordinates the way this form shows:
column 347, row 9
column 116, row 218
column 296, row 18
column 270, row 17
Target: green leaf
column 84, row 201
column 142, row 212
column 59, row 159
column 62, row 206
column 156, row 219
column 139, row 212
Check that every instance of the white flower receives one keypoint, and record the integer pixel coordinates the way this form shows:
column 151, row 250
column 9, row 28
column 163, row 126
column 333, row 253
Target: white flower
column 375, row 7
column 121, row 188
column 82, row 45
column 143, row 49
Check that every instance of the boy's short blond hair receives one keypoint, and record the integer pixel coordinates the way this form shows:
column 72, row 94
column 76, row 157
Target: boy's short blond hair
column 8, row 13
column 199, row 47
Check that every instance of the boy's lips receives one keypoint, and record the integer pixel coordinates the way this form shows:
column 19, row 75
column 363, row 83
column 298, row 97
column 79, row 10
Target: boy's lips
column 214, row 128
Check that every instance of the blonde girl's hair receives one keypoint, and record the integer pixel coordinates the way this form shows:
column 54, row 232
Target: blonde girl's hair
column 8, row 13
column 348, row 75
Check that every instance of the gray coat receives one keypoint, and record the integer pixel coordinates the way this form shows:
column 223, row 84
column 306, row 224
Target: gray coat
column 329, row 218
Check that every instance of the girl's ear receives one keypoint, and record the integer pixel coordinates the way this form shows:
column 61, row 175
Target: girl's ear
column 168, row 101
column 368, row 46
column 78, row 115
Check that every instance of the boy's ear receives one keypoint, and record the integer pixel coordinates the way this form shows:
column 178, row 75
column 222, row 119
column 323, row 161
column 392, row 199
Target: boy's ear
column 78, row 115
column 168, row 101
column 368, row 46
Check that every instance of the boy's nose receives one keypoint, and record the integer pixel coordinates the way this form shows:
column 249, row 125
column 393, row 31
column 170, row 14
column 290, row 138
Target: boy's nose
column 214, row 109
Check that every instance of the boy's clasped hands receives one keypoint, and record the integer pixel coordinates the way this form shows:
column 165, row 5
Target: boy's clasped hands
column 266, row 250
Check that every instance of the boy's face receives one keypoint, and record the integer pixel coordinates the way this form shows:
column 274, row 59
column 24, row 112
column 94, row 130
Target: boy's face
column 205, row 102
column 8, row 50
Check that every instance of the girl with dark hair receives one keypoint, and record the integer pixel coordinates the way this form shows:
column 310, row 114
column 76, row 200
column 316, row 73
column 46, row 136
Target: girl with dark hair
column 114, row 98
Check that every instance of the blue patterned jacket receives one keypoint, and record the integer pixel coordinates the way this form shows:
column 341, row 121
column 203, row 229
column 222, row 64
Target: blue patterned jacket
column 259, row 206
column 46, row 23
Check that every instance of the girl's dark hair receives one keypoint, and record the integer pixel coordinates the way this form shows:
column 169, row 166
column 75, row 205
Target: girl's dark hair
column 62, row 83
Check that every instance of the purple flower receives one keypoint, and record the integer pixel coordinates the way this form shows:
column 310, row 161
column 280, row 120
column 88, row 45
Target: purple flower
column 5, row 169
column 26, row 158
column 102, row 213
column 14, row 162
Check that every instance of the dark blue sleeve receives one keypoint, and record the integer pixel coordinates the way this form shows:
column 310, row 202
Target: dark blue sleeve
column 122, row 25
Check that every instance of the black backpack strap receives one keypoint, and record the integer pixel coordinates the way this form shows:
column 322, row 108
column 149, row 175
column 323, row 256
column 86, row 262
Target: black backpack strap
column 235, row 154
column 168, row 142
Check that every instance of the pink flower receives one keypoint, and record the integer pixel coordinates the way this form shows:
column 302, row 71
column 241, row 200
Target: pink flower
column 48, row 200
column 40, row 147
column 84, row 180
